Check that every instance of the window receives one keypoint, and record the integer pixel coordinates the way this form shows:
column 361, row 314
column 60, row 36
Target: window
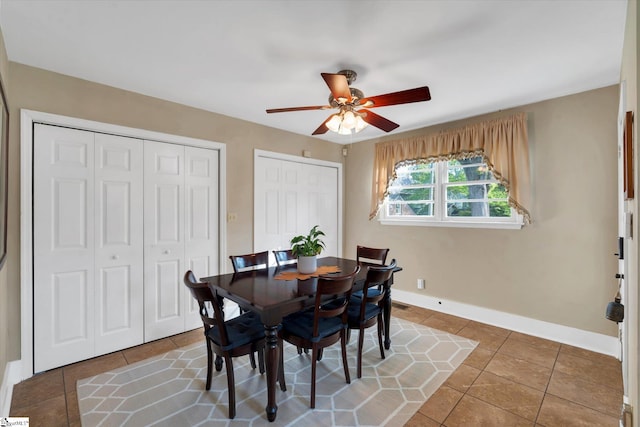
column 461, row 192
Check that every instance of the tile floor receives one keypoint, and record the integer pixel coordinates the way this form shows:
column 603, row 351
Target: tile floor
column 510, row 379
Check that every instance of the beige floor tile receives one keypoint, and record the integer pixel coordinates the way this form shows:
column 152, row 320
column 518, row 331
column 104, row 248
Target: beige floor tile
column 486, row 339
column 530, row 352
column 474, row 412
column 154, row 348
column 495, row 330
column 50, row 412
column 479, row 358
column 587, row 393
column 40, row 387
column 441, row 403
column 606, row 374
column 535, row 341
column 188, row 338
column 520, row 371
column 560, row 412
column 445, row 322
column 462, row 378
column 513, row 397
column 73, row 411
column 419, row 420
column 590, row 355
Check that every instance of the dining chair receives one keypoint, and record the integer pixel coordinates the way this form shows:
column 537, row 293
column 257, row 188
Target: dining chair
column 284, row 257
column 240, row 336
column 365, row 254
column 249, row 261
column 366, row 311
column 324, row 326
column 370, row 256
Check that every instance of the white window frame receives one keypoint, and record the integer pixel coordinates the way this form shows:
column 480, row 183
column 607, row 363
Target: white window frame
column 440, row 219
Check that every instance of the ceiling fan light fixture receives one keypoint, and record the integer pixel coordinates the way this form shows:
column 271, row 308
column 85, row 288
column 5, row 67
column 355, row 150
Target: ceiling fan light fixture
column 346, row 122
column 334, row 123
column 360, row 123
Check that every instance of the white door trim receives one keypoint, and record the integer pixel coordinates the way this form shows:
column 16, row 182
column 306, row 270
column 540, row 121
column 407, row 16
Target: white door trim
column 309, row 161
column 27, row 119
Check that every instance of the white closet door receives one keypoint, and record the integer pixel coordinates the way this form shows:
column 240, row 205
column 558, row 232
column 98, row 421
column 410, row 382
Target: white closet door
column 319, row 184
column 202, row 245
column 290, row 198
column 119, row 245
column 63, row 218
column 277, row 203
column 164, row 219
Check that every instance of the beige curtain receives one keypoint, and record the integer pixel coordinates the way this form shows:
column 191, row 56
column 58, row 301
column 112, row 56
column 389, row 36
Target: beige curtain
column 502, row 142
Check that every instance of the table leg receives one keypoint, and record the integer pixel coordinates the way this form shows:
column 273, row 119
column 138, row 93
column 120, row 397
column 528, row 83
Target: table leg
column 386, row 313
column 272, row 359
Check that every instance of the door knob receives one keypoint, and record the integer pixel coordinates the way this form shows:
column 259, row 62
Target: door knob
column 167, row 251
column 115, row 257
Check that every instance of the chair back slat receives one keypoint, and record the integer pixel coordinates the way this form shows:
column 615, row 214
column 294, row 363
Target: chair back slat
column 243, row 262
column 339, row 288
column 376, row 276
column 284, row 257
column 365, row 254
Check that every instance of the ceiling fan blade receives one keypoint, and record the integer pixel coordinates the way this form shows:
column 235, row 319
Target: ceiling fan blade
column 338, row 85
column 378, row 121
column 311, row 107
column 322, row 128
column 403, row 97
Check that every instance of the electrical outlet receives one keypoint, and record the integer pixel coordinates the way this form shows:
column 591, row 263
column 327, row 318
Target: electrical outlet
column 420, row 283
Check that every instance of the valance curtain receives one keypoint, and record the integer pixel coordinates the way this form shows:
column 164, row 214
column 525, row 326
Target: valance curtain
column 502, row 143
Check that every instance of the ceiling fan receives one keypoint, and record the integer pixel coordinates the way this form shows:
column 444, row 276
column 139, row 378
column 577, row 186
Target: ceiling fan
column 354, row 113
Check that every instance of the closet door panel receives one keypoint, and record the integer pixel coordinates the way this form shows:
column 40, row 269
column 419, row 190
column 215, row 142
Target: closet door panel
column 164, row 201
column 202, row 242
column 119, row 243
column 63, row 246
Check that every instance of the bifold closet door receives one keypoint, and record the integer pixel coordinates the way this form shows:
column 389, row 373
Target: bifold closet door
column 87, row 245
column 181, row 232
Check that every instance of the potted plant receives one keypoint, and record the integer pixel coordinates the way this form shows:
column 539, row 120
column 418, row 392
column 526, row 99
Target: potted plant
column 306, row 249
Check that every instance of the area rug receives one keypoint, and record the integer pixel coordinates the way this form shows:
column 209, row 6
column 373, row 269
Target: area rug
column 168, row 390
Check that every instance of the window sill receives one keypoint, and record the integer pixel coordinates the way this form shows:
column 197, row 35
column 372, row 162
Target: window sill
column 453, row 224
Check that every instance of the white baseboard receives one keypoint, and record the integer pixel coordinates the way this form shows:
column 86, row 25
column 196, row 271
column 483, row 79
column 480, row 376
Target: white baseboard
column 599, row 343
column 11, row 377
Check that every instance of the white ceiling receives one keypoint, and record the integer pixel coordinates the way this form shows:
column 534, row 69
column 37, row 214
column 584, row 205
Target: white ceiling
column 238, row 58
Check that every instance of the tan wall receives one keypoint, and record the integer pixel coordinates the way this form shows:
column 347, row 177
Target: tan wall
column 561, row 268
column 41, row 90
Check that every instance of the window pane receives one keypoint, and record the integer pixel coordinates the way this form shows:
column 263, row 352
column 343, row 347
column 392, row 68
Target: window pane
column 468, row 170
column 414, row 174
column 499, row 209
column 409, row 209
column 466, row 192
column 467, row 209
column 413, row 193
column 497, row 191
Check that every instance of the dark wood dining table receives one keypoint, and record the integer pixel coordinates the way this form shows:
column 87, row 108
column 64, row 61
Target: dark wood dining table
column 259, row 291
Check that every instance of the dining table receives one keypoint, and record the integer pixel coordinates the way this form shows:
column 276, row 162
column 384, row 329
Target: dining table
column 275, row 292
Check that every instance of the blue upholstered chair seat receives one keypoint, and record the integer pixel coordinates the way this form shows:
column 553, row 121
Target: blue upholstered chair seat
column 301, row 325
column 240, row 330
column 371, row 310
column 372, row 292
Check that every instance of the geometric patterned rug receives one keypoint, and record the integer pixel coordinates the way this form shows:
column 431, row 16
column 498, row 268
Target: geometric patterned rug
column 168, row 390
